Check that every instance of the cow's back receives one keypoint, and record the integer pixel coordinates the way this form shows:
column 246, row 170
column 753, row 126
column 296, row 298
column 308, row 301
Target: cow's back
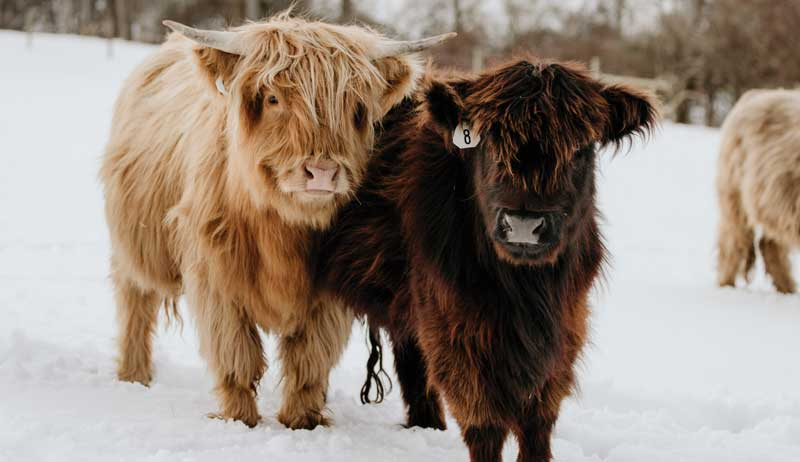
column 760, row 159
column 161, row 118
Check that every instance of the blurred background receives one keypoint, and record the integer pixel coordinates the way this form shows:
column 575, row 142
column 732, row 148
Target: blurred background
column 698, row 55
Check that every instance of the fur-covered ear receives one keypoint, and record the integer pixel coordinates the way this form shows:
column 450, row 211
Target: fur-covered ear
column 444, row 105
column 401, row 74
column 214, row 65
column 632, row 112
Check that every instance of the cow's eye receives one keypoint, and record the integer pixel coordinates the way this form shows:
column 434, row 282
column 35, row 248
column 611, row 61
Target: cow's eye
column 272, row 99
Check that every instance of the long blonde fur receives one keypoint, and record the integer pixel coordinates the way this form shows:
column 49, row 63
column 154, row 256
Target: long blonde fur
column 196, row 203
column 759, row 185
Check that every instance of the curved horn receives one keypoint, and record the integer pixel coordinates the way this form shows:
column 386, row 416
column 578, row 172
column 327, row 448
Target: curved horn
column 400, row 47
column 220, row 40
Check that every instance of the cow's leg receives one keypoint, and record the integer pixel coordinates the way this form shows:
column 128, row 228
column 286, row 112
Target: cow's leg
column 423, row 402
column 137, row 314
column 230, row 342
column 776, row 261
column 735, row 253
column 485, row 443
column 308, row 355
column 533, row 431
column 534, row 425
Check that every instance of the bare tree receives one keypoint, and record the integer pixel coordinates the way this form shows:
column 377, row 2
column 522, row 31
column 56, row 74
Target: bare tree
column 458, row 17
column 347, row 12
column 121, row 18
column 253, row 9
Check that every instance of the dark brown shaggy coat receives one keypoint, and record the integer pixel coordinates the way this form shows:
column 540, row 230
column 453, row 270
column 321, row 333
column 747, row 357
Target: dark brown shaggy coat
column 494, row 327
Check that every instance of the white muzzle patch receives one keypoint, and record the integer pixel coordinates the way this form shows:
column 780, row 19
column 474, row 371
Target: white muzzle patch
column 520, row 230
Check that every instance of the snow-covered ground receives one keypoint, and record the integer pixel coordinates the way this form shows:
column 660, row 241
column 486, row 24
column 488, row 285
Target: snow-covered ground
column 678, row 370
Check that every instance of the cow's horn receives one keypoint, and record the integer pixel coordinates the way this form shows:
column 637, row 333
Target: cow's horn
column 395, row 48
column 222, row 41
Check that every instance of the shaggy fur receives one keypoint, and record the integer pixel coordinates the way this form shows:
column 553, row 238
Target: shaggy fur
column 758, row 184
column 201, row 198
column 493, row 330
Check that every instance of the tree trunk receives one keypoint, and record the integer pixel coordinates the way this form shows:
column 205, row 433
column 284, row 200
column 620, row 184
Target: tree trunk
column 347, row 13
column 276, row 6
column 253, row 10
column 682, row 111
column 710, row 91
column 458, row 22
column 85, row 17
column 121, row 19
column 711, row 109
column 698, row 7
column 619, row 14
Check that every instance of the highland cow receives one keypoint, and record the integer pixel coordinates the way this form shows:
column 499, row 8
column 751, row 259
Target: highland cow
column 758, row 184
column 229, row 152
column 474, row 242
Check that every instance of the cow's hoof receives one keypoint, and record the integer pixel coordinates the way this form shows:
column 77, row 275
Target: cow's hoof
column 307, row 421
column 432, row 423
column 250, row 421
column 142, row 377
column 429, row 421
column 426, row 414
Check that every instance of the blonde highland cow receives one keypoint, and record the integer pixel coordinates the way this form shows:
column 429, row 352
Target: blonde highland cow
column 759, row 186
column 229, row 152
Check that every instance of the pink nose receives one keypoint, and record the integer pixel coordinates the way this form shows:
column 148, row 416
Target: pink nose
column 321, row 175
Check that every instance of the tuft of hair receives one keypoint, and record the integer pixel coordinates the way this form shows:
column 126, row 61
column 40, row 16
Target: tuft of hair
column 375, row 370
column 318, row 61
column 633, row 113
column 559, row 105
column 172, row 313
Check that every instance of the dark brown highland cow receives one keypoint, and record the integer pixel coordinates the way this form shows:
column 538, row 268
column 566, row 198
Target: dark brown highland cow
column 478, row 262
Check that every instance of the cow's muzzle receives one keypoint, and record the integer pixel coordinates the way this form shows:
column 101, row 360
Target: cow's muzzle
column 526, row 233
column 321, row 176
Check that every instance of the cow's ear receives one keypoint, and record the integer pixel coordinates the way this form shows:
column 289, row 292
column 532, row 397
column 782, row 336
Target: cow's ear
column 216, row 66
column 444, row 104
column 401, row 74
column 215, row 52
column 631, row 112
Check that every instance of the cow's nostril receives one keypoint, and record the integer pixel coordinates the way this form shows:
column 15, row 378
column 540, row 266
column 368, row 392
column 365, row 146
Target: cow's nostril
column 539, row 228
column 309, row 174
column 505, row 223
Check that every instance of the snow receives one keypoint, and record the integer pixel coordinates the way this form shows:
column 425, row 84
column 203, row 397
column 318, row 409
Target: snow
column 678, row 369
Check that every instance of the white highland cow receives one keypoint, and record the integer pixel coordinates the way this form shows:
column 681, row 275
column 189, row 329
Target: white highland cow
column 229, row 152
column 759, row 186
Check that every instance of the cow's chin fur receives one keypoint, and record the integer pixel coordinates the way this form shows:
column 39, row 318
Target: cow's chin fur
column 316, row 214
column 298, row 209
column 258, row 187
column 546, row 257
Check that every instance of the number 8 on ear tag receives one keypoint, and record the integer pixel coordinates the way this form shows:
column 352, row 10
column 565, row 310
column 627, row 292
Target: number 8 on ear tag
column 464, row 137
